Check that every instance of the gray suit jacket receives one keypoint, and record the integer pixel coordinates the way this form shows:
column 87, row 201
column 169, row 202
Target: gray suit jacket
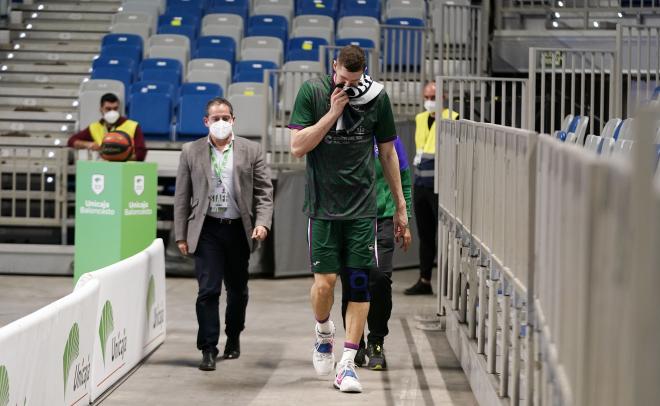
column 252, row 186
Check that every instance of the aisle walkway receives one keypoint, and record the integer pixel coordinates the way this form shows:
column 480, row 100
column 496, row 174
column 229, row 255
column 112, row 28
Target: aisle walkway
column 275, row 365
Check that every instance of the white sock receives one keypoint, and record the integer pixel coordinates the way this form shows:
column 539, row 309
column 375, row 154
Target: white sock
column 324, row 327
column 349, row 354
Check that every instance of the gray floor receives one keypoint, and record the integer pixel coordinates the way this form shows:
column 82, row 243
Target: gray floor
column 275, row 365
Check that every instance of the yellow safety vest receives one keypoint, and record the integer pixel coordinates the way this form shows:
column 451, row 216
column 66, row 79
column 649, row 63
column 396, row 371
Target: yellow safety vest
column 425, row 136
column 98, row 130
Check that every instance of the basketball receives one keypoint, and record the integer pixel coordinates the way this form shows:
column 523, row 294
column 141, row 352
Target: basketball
column 116, row 146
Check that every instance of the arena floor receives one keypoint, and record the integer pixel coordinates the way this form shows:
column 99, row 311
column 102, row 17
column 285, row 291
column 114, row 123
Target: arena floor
column 275, row 365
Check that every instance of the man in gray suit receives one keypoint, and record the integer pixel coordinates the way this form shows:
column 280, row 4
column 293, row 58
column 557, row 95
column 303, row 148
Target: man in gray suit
column 223, row 205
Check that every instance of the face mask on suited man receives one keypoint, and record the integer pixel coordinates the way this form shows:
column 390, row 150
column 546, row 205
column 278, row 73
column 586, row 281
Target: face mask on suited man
column 111, row 116
column 429, row 105
column 221, row 130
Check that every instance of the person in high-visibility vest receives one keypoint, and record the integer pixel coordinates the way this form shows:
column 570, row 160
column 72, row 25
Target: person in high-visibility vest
column 425, row 200
column 92, row 136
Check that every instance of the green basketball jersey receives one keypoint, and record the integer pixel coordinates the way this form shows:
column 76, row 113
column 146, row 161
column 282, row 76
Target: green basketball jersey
column 340, row 174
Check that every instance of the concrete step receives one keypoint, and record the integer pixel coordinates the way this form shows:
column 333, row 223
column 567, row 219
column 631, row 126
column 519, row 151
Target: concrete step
column 7, row 114
column 56, row 25
column 71, row 6
column 32, row 56
column 46, row 67
column 75, row 17
column 57, row 46
column 56, row 35
column 6, row 79
column 46, row 103
column 36, row 90
column 41, row 127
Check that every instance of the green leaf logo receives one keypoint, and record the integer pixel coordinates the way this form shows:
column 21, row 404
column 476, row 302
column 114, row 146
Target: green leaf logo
column 151, row 295
column 70, row 351
column 4, row 386
column 106, row 326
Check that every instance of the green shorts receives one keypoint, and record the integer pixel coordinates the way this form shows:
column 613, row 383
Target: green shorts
column 337, row 244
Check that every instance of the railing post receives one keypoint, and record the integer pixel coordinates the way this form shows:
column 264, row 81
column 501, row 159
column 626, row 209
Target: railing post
column 531, row 95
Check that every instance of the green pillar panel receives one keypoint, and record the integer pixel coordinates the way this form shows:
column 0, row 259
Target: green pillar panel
column 115, row 212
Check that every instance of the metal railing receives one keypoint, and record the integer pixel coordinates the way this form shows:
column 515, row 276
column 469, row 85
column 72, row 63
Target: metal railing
column 639, row 49
column 485, row 245
column 461, row 39
column 33, row 183
column 487, row 100
column 571, row 81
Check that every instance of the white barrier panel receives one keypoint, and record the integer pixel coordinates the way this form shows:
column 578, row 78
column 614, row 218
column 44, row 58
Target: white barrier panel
column 121, row 319
column 154, row 333
column 46, row 357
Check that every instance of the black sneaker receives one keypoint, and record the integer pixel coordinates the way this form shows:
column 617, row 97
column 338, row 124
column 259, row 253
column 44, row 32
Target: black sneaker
column 376, row 356
column 361, row 356
column 232, row 348
column 419, row 288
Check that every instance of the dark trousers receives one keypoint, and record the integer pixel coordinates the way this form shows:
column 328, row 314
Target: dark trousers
column 425, row 203
column 380, row 285
column 222, row 254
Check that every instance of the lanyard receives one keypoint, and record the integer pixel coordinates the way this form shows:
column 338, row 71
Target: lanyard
column 218, row 168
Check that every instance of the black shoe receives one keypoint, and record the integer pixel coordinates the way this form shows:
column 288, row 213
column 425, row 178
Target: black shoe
column 232, row 348
column 361, row 356
column 419, row 288
column 208, row 361
column 376, row 356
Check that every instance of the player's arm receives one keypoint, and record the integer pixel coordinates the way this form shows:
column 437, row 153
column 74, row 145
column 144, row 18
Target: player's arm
column 390, row 163
column 306, row 139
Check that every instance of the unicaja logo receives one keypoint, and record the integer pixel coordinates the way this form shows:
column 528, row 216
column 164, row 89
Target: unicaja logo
column 71, row 351
column 4, row 386
column 155, row 314
column 105, row 326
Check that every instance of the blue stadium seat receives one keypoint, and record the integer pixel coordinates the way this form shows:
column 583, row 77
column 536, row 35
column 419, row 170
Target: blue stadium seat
column 162, row 70
column 151, row 106
column 363, row 43
column 403, row 46
column 194, row 8
column 181, row 24
column 192, row 105
column 317, row 7
column 239, row 7
column 216, row 47
column 252, row 71
column 269, row 26
column 304, row 48
column 365, row 8
column 121, row 69
column 122, row 46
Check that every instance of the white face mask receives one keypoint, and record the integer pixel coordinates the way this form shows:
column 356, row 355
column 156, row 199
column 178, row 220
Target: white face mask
column 429, row 105
column 221, row 130
column 111, row 116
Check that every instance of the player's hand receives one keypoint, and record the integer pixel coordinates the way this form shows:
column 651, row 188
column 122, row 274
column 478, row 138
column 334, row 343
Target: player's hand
column 183, row 246
column 92, row 146
column 406, row 239
column 400, row 223
column 259, row 233
column 338, row 101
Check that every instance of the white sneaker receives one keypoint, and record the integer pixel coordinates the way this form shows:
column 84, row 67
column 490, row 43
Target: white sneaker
column 346, row 379
column 323, row 355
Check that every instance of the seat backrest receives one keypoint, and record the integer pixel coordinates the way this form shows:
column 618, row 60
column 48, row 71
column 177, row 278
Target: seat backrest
column 163, row 70
column 170, row 46
column 262, row 48
column 230, row 25
column 268, row 25
column 121, row 69
column 625, row 131
column 610, row 128
column 220, row 78
column 128, row 40
column 238, row 7
column 217, row 65
column 153, row 8
column 593, row 143
column 282, row 8
column 151, row 105
column 362, row 8
column 252, row 71
column 322, row 22
column 90, row 96
column 317, row 7
column 139, row 18
column 304, row 48
column 143, row 30
column 192, row 105
column 359, row 27
column 249, row 102
column 405, row 12
column 216, row 47
column 294, row 74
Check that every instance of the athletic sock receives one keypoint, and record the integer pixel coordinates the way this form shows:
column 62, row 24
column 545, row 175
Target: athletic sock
column 323, row 326
column 350, row 350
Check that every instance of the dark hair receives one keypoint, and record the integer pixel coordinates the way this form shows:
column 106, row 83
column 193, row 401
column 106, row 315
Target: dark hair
column 109, row 98
column 221, row 101
column 352, row 58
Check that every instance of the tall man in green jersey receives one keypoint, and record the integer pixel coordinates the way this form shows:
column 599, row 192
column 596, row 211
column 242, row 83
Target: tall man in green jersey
column 334, row 122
